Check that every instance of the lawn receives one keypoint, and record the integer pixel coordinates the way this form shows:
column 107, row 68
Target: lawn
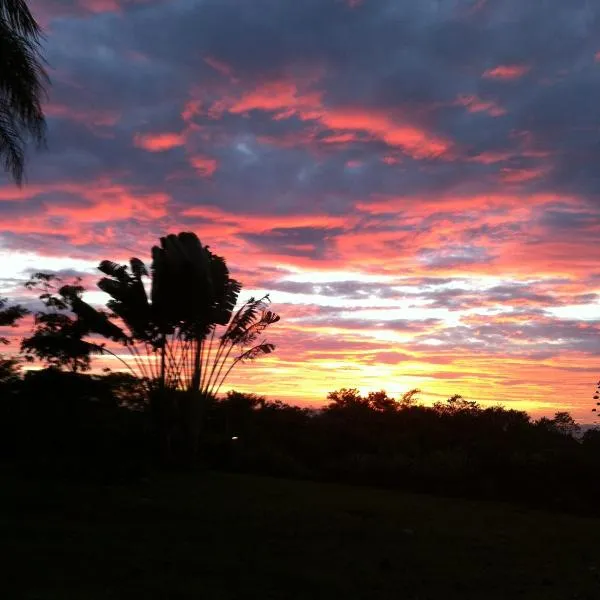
column 219, row 536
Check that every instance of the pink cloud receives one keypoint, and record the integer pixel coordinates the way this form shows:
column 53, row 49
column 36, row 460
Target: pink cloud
column 354, row 164
column 100, row 6
column 260, row 223
column 507, row 72
column 204, row 166
column 159, row 142
column 91, row 117
column 490, row 157
column 522, row 175
column 281, row 97
column 474, row 104
column 221, row 67
column 192, row 109
column 413, row 140
column 112, row 203
column 286, row 98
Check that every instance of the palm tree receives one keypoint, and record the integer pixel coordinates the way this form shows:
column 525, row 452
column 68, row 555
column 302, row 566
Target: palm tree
column 172, row 334
column 185, row 336
column 22, row 85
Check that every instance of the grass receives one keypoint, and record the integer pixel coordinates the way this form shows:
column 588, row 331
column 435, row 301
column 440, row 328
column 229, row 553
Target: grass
column 218, row 536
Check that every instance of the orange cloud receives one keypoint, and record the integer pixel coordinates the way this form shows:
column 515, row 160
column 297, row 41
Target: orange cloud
column 416, row 142
column 159, row 142
column 113, row 203
column 282, row 97
column 205, row 166
column 287, row 98
column 100, row 201
column 507, row 72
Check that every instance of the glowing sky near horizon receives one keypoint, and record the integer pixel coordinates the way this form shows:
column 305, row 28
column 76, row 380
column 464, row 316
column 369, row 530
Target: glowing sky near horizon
column 416, row 184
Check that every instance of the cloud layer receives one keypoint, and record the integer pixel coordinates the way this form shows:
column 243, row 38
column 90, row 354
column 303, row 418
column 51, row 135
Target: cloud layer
column 416, row 183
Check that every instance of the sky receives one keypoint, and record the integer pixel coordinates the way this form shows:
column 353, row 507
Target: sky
column 417, row 184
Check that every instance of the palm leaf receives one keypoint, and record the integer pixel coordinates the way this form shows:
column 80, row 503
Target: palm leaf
column 22, row 85
column 18, row 17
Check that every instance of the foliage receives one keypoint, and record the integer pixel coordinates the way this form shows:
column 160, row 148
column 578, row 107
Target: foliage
column 172, row 333
column 184, row 336
column 456, row 447
column 102, row 426
column 22, row 84
column 10, row 316
column 9, row 374
column 73, row 424
column 58, row 337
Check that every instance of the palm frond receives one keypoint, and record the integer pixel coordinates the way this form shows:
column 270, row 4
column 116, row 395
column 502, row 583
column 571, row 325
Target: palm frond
column 113, row 269
column 138, row 268
column 18, row 16
column 96, row 321
column 256, row 351
column 249, row 314
column 226, row 291
column 23, row 82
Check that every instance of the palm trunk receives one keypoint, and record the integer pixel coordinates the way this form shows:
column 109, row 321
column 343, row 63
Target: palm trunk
column 196, row 377
column 163, row 365
column 192, row 413
column 162, row 410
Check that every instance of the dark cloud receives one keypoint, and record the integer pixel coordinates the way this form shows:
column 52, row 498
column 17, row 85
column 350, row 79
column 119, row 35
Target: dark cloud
column 433, row 142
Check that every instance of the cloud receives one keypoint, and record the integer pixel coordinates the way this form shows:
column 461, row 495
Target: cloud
column 507, row 72
column 159, row 142
column 439, row 159
column 204, row 166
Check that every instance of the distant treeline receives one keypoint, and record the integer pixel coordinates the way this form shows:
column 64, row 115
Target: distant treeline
column 64, row 424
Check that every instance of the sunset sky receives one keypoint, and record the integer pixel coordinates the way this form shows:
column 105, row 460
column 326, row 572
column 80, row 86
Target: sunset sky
column 416, row 183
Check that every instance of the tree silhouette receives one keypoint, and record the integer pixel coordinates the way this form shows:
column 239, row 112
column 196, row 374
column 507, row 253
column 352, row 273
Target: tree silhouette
column 10, row 316
column 381, row 402
column 58, row 337
column 346, row 398
column 22, row 85
column 172, row 335
column 184, row 336
column 564, row 423
column 456, row 404
column 9, row 371
column 409, row 398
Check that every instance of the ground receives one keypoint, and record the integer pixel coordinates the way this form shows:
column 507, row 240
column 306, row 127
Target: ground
column 219, row 536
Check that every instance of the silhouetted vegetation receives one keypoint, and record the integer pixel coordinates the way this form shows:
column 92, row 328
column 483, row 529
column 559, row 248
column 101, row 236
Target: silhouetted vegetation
column 100, row 427
column 22, row 85
column 184, row 336
column 452, row 448
column 179, row 324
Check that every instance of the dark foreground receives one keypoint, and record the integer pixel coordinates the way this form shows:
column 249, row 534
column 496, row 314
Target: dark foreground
column 227, row 536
